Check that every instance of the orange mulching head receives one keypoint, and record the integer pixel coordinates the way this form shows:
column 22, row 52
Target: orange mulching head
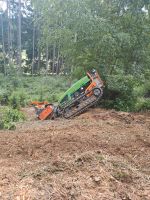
column 44, row 110
column 46, row 113
column 39, row 104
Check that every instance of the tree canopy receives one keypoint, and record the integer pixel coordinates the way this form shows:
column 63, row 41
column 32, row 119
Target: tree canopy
column 71, row 36
column 113, row 34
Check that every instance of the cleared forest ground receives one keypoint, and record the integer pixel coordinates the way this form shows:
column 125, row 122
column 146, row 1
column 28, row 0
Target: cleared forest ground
column 99, row 155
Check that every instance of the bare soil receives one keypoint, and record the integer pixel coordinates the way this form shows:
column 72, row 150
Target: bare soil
column 100, row 155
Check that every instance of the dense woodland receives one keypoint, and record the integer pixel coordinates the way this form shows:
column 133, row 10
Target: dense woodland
column 45, row 44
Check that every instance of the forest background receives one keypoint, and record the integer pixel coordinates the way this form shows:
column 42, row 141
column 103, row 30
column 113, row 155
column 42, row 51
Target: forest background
column 47, row 45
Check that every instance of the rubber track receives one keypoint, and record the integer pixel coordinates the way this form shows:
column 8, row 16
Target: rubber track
column 86, row 104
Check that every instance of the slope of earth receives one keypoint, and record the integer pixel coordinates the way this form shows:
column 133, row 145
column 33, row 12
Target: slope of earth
column 99, row 155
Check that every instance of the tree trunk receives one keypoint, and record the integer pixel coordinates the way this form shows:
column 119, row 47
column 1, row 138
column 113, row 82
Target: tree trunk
column 39, row 59
column 3, row 45
column 54, row 54
column 19, row 36
column 14, row 56
column 33, row 49
column 58, row 63
column 39, row 49
column 8, row 18
column 47, row 52
column 11, row 39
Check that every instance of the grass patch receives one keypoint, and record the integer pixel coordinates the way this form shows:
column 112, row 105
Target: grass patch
column 8, row 118
column 19, row 91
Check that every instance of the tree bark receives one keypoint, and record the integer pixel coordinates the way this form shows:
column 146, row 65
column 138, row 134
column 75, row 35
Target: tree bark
column 39, row 49
column 54, row 54
column 19, row 36
column 33, row 49
column 11, row 37
column 3, row 45
column 8, row 18
column 39, row 59
column 58, row 63
column 47, row 52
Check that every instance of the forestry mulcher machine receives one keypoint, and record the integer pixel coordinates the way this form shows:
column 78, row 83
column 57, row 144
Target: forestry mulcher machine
column 79, row 97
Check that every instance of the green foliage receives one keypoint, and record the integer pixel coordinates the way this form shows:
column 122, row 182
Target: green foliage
column 122, row 92
column 14, row 101
column 142, row 104
column 89, row 33
column 126, row 93
column 8, row 118
column 111, row 36
column 4, row 97
column 78, row 73
column 119, row 90
column 18, row 99
column 55, row 96
column 15, row 82
column 31, row 88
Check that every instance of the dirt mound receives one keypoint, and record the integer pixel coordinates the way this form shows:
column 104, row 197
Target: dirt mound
column 101, row 154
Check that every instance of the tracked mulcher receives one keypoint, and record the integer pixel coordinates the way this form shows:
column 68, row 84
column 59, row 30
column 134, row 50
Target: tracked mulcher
column 78, row 98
